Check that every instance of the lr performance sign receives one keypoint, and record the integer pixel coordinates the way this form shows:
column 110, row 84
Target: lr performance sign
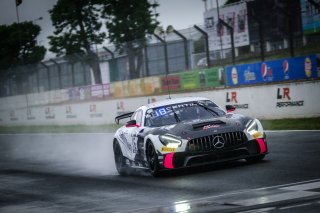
column 236, row 17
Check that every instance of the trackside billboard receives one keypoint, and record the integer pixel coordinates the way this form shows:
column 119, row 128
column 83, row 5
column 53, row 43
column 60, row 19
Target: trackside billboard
column 236, row 17
column 272, row 71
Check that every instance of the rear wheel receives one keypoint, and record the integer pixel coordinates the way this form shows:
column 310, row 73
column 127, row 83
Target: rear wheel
column 152, row 159
column 119, row 159
column 255, row 159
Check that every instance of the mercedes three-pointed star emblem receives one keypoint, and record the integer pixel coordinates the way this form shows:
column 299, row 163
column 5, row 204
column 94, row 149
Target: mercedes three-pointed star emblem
column 218, row 142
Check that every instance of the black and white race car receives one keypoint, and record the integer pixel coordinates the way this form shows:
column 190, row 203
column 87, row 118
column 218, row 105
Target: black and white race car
column 185, row 132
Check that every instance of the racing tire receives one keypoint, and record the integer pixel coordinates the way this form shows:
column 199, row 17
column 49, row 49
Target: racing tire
column 255, row 159
column 119, row 159
column 152, row 159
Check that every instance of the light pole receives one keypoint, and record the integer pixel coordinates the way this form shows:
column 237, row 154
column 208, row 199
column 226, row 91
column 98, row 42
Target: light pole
column 165, row 52
column 232, row 39
column 218, row 13
column 205, row 34
column 289, row 16
column 169, row 30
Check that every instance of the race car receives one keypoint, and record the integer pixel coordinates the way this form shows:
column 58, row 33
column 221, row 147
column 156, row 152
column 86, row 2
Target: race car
column 185, row 132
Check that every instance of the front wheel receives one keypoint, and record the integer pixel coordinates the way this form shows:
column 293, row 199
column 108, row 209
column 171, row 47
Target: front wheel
column 119, row 159
column 152, row 159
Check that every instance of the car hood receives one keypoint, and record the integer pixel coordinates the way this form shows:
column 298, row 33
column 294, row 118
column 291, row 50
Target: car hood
column 200, row 128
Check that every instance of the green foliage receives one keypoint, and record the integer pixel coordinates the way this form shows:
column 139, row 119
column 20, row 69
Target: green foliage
column 18, row 45
column 129, row 20
column 128, row 23
column 199, row 45
column 77, row 26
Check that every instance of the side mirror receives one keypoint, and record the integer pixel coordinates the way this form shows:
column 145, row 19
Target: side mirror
column 230, row 108
column 132, row 123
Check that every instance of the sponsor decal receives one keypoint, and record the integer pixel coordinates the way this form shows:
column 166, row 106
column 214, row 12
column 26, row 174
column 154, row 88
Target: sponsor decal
column 93, row 111
column 210, row 126
column 234, row 76
column 231, row 97
column 266, row 72
column 284, row 94
column 49, row 113
column 29, row 115
column 167, row 149
column 13, row 116
column 122, row 135
column 69, row 113
column 308, row 67
column 285, row 67
column 249, row 76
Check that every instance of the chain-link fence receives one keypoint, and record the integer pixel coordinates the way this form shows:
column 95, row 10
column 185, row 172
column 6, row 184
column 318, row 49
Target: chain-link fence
column 269, row 36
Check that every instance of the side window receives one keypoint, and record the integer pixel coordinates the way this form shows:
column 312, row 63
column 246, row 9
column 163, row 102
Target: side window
column 138, row 117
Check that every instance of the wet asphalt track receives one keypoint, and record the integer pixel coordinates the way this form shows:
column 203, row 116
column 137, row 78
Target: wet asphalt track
column 76, row 173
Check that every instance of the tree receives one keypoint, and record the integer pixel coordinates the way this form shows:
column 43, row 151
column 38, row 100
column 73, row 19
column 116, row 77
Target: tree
column 77, row 29
column 199, row 45
column 18, row 47
column 128, row 23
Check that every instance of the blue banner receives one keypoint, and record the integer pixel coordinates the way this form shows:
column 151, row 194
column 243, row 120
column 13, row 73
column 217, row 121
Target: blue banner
column 272, row 71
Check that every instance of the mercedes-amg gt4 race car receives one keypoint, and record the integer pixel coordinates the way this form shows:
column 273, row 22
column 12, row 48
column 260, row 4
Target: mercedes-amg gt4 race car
column 185, row 132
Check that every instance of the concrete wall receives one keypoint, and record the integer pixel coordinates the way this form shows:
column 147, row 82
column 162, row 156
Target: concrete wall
column 292, row 100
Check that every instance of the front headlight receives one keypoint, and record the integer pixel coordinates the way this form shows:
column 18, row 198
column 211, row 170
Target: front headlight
column 170, row 140
column 252, row 127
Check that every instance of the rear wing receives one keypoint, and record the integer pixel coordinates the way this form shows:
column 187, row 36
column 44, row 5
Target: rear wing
column 123, row 116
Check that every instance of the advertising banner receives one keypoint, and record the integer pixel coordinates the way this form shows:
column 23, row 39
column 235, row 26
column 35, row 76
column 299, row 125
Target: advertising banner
column 236, row 17
column 203, row 78
column 73, row 94
column 171, row 82
column 106, row 90
column 96, row 91
column 190, row 80
column 134, row 87
column 85, row 93
column 310, row 16
column 272, row 71
column 151, row 85
column 117, row 89
column 214, row 77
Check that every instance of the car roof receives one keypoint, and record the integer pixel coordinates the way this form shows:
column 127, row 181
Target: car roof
column 174, row 101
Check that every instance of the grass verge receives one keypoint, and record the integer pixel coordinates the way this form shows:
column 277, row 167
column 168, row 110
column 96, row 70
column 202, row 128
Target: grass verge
column 279, row 124
column 292, row 124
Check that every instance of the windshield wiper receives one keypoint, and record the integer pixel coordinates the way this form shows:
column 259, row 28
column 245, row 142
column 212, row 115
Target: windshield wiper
column 175, row 115
column 207, row 108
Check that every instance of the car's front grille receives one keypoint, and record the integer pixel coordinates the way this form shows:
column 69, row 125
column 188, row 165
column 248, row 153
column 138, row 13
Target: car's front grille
column 216, row 142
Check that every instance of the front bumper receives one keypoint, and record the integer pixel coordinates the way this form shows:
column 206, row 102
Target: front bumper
column 248, row 149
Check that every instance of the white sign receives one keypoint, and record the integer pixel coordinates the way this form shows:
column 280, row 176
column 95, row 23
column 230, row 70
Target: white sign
column 236, row 17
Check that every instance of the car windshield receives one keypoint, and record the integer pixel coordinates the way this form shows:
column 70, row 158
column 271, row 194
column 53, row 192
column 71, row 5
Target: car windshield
column 172, row 114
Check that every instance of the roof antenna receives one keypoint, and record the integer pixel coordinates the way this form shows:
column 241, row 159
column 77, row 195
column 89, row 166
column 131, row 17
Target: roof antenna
column 168, row 85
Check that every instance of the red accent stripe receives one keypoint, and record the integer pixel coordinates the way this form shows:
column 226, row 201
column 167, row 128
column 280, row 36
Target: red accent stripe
column 133, row 125
column 262, row 145
column 168, row 161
